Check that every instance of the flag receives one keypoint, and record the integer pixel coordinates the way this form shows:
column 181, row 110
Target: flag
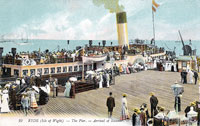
column 154, row 5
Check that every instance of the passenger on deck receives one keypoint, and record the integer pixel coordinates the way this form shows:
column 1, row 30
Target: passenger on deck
column 110, row 103
column 185, row 77
column 25, row 102
column 196, row 77
column 134, row 117
column 95, row 81
column 108, row 79
column 72, row 91
column 182, row 77
column 142, row 117
column 158, row 119
column 13, row 100
column 67, row 89
column 146, row 111
column 55, row 87
column 172, row 68
column 5, row 104
column 124, row 111
column 187, row 109
column 154, row 103
column 120, row 69
column 191, row 74
column 33, row 101
column 44, row 97
column 101, row 81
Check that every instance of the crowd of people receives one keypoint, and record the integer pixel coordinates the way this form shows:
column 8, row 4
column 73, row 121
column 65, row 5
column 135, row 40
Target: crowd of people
column 192, row 74
column 44, row 57
column 129, row 68
column 141, row 116
column 26, row 93
column 69, row 89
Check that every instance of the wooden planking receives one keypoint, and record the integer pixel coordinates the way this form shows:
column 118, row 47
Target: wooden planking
column 137, row 86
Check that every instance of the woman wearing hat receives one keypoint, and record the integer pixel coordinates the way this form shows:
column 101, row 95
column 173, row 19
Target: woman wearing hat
column 124, row 112
column 4, row 106
column 187, row 109
column 138, row 119
column 32, row 93
column 134, row 117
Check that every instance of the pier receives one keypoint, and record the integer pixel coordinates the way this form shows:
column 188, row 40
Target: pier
column 137, row 86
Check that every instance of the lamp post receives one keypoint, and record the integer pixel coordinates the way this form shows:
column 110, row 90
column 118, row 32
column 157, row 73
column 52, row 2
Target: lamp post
column 177, row 90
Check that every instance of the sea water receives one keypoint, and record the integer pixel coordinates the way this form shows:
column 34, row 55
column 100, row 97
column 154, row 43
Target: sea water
column 54, row 45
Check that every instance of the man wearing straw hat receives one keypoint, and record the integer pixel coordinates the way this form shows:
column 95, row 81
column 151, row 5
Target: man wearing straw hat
column 187, row 109
column 134, row 117
column 154, row 103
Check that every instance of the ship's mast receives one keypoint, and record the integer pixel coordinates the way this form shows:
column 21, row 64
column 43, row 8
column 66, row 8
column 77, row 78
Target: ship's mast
column 154, row 36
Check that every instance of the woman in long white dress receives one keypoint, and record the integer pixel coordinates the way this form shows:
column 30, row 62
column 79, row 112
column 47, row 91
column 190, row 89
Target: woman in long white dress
column 108, row 79
column 124, row 112
column 67, row 89
column 154, row 64
column 4, row 105
column 101, row 81
column 191, row 74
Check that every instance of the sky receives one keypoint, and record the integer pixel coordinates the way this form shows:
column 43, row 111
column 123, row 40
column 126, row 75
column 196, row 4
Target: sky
column 84, row 20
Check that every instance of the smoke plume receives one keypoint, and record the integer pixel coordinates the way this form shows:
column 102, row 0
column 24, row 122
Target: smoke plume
column 112, row 5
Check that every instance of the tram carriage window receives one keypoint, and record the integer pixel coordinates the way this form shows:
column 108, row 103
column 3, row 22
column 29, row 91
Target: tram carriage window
column 80, row 67
column 58, row 69
column 16, row 72
column 39, row 71
column 184, row 64
column 32, row 72
column 85, row 67
column 75, row 68
column 64, row 69
column 90, row 67
column 46, row 70
column 70, row 69
column 52, row 70
column 25, row 72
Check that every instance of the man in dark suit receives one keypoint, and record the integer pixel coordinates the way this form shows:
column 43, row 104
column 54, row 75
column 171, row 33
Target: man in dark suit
column 110, row 104
column 154, row 103
column 196, row 76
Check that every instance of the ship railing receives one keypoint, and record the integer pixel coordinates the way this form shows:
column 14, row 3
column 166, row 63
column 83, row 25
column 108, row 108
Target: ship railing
column 38, row 60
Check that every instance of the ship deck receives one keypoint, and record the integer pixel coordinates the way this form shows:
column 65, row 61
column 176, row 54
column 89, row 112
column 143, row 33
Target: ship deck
column 137, row 86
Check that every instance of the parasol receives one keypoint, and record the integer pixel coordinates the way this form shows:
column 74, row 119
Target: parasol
column 99, row 69
column 7, row 85
column 72, row 79
column 90, row 72
column 35, row 88
column 44, row 89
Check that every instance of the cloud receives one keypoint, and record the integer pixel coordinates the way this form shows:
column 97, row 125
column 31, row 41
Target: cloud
column 87, row 21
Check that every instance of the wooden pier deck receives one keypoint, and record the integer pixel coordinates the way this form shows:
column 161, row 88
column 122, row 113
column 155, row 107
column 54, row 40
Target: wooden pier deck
column 137, row 86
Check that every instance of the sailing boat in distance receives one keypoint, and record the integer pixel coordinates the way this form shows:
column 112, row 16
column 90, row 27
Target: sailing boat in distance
column 24, row 42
